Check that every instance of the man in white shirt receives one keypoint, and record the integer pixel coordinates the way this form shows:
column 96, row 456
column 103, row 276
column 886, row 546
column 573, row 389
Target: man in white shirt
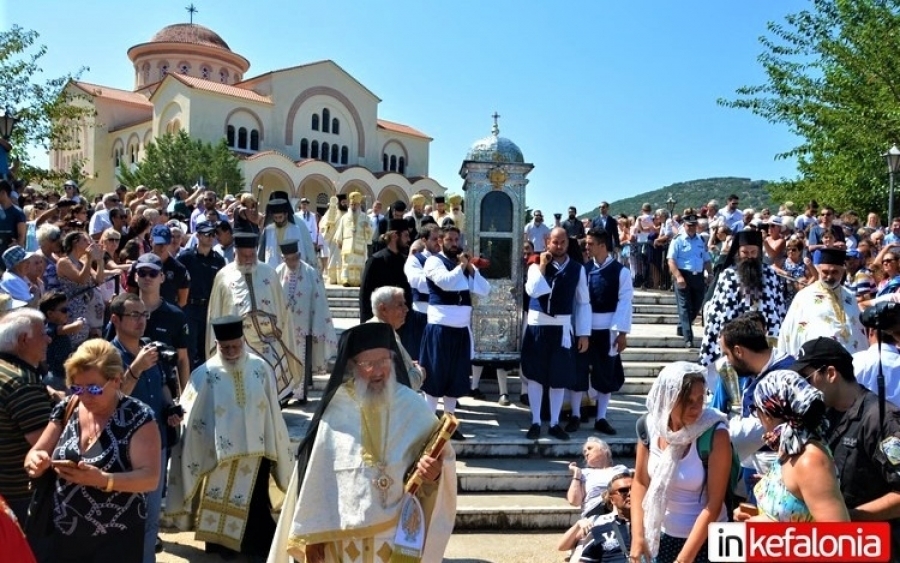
column 100, row 220
column 865, row 365
column 537, row 232
column 730, row 214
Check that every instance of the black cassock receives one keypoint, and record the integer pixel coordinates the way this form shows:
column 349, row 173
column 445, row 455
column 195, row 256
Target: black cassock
column 383, row 268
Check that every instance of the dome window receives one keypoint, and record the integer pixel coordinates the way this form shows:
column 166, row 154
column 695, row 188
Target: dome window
column 184, row 68
column 223, row 76
column 326, row 120
column 205, row 72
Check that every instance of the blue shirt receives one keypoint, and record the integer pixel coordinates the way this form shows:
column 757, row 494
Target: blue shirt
column 688, row 253
column 4, row 163
column 148, row 389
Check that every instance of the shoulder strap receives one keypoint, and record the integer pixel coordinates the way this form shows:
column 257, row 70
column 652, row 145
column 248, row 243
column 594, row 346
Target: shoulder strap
column 70, row 408
column 619, row 537
column 641, row 428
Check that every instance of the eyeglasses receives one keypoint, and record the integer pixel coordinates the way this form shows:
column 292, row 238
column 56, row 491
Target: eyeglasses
column 147, row 273
column 369, row 366
column 623, row 491
column 809, row 375
column 92, row 389
column 137, row 315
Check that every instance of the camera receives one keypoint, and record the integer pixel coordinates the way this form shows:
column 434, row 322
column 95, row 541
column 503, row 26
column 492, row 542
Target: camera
column 166, row 353
column 882, row 316
column 174, row 410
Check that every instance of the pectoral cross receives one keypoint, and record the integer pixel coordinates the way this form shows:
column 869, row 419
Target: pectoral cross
column 382, row 482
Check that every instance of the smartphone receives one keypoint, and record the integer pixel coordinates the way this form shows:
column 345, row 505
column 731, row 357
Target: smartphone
column 748, row 509
column 63, row 463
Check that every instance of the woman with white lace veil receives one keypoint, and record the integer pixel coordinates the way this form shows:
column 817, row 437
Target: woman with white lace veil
column 673, row 497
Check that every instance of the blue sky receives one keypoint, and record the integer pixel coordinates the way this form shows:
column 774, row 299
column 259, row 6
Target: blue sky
column 607, row 99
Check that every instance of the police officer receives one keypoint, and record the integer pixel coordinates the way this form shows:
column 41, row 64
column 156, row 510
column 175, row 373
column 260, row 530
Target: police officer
column 202, row 264
column 688, row 259
column 866, row 450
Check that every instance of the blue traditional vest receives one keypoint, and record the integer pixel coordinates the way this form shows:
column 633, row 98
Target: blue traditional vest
column 603, row 286
column 416, row 294
column 440, row 297
column 563, row 284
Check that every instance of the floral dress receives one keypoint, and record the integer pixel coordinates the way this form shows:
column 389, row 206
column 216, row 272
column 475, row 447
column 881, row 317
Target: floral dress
column 776, row 501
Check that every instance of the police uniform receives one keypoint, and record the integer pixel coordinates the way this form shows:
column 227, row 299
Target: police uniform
column 202, row 270
column 690, row 257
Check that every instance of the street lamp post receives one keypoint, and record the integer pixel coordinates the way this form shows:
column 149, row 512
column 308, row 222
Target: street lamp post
column 670, row 203
column 7, row 123
column 892, row 158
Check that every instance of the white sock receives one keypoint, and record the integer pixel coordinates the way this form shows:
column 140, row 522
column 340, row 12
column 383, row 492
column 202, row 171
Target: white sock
column 602, row 404
column 535, row 395
column 449, row 405
column 476, row 376
column 501, row 381
column 523, row 383
column 575, row 401
column 432, row 402
column 556, row 401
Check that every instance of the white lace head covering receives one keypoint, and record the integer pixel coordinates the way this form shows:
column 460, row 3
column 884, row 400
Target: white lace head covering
column 661, row 400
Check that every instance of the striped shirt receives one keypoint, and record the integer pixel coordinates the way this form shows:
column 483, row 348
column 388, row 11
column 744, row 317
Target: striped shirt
column 24, row 407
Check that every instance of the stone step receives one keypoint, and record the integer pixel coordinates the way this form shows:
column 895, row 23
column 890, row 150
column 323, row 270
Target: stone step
column 655, row 318
column 515, row 511
column 343, row 302
column 344, row 312
column 493, row 474
column 641, row 297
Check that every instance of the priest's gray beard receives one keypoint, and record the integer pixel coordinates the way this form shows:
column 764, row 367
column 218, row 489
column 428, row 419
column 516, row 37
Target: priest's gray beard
column 750, row 274
column 234, row 364
column 376, row 395
column 248, row 268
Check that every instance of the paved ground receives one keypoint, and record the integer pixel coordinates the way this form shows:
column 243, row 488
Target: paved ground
column 463, row 548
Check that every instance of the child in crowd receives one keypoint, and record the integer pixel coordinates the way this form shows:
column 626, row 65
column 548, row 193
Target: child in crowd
column 54, row 306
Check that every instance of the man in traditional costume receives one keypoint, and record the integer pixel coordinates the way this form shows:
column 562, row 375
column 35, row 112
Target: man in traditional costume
column 557, row 289
column 385, row 267
column 251, row 289
column 440, row 210
column 447, row 346
column 599, row 370
column 353, row 233
column 280, row 225
column 314, row 338
column 417, row 213
column 389, row 306
column 347, row 501
column 746, row 284
column 331, row 256
column 430, row 235
column 824, row 308
column 234, row 438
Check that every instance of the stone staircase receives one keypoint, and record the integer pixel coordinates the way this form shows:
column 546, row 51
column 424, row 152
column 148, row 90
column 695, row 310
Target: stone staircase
column 506, row 481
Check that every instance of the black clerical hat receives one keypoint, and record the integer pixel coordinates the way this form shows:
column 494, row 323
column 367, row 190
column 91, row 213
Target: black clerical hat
column 229, row 327
column 342, row 197
column 748, row 238
column 439, row 199
column 289, row 247
column 246, row 240
column 399, row 206
column 835, row 256
column 278, row 206
column 398, row 225
column 365, row 336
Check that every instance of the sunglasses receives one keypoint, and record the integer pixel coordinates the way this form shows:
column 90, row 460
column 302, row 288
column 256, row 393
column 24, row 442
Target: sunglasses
column 888, row 260
column 92, row 389
column 147, row 273
column 623, row 491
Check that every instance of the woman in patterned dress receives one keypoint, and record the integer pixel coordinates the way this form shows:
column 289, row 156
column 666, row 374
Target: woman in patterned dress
column 79, row 270
column 106, row 458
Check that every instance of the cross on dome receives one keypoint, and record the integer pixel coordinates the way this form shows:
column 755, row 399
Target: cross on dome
column 496, row 129
column 192, row 10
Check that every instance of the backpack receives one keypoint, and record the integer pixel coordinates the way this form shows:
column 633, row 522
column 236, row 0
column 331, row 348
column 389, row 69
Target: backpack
column 704, row 446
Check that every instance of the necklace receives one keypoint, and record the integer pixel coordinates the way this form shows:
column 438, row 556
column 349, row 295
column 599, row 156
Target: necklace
column 374, row 433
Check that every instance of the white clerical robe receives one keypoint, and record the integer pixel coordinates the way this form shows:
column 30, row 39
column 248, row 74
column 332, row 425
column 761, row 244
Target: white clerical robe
column 328, row 226
column 308, row 303
column 232, row 422
column 353, row 234
column 339, row 503
column 268, row 330
column 292, row 231
column 818, row 311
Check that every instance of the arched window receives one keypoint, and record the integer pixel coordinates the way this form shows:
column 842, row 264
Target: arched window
column 184, row 68
column 134, row 154
column 315, row 122
column 254, row 140
column 345, row 154
column 325, row 152
column 393, row 163
column 326, row 120
column 384, row 163
column 146, row 72
column 223, row 76
column 314, row 153
column 304, row 148
column 230, row 135
column 334, row 153
column 163, row 71
column 242, row 138
column 401, row 165
column 117, row 157
column 205, row 72
column 336, row 126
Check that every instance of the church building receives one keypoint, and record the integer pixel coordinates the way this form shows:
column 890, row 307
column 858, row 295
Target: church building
column 311, row 130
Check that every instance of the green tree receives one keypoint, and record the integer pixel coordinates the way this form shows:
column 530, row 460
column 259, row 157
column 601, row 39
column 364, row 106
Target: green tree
column 834, row 81
column 177, row 159
column 47, row 115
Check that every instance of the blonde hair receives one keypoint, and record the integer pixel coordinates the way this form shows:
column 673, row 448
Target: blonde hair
column 247, row 199
column 98, row 354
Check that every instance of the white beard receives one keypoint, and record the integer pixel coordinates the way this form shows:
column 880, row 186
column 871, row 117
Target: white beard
column 248, row 268
column 376, row 397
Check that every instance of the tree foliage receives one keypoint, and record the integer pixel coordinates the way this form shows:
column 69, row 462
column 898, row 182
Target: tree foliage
column 834, row 81
column 175, row 159
column 44, row 108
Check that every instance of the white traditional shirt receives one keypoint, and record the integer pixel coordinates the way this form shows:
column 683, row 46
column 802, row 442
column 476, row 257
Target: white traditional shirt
column 458, row 316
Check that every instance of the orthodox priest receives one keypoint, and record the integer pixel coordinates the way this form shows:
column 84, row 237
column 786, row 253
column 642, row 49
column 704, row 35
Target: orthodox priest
column 347, row 502
column 418, row 210
column 331, row 256
column 234, row 438
column 352, row 236
column 385, row 267
column 746, row 284
column 251, row 289
column 304, row 291
column 824, row 308
column 280, row 225
column 440, row 210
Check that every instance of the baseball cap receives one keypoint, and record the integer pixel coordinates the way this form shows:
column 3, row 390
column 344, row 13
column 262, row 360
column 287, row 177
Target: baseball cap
column 148, row 260
column 161, row 235
column 206, row 227
column 821, row 352
column 14, row 256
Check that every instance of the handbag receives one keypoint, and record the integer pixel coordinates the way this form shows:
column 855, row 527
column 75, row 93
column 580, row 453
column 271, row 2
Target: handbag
column 39, row 523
